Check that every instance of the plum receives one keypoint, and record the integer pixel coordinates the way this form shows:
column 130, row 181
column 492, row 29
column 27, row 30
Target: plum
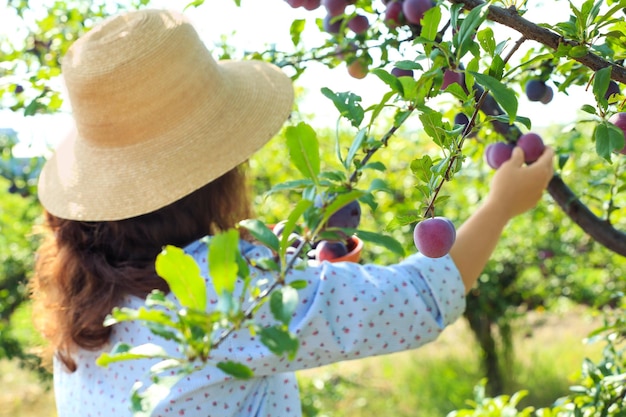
column 399, row 72
column 613, row 88
column 349, row 216
column 434, row 236
column 619, row 120
column 393, row 14
column 328, row 250
column 414, row 10
column 498, row 153
column 358, row 24
column 451, row 77
column 532, row 145
column 535, row 90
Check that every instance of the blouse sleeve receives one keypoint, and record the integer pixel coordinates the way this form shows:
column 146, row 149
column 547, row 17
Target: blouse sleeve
column 349, row 311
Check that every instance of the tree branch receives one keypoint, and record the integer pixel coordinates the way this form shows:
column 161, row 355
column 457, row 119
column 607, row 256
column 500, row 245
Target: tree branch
column 512, row 19
column 600, row 230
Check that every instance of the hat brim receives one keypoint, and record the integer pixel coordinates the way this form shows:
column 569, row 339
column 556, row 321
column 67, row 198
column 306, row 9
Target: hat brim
column 83, row 182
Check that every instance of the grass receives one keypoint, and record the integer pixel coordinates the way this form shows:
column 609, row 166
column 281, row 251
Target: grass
column 427, row 382
column 22, row 393
column 440, row 377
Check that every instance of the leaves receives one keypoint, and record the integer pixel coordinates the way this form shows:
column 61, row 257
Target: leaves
column 283, row 303
column 223, row 266
column 124, row 352
column 182, row 274
column 261, row 232
column 278, row 340
column 382, row 240
column 504, row 95
column 304, row 149
column 348, row 105
column 236, row 369
column 609, row 138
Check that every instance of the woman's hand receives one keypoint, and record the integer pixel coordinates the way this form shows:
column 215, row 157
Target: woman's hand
column 515, row 187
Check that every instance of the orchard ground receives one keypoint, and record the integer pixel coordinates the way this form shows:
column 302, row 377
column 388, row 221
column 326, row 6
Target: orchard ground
column 428, row 382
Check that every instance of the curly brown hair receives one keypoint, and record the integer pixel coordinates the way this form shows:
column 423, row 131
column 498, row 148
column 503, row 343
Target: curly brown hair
column 84, row 268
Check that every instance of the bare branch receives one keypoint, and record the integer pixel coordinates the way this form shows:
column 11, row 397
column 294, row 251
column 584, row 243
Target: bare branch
column 600, row 230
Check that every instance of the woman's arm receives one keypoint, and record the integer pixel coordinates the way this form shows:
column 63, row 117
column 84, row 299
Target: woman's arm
column 515, row 188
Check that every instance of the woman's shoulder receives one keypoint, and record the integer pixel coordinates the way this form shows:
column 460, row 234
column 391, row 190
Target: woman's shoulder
column 199, row 249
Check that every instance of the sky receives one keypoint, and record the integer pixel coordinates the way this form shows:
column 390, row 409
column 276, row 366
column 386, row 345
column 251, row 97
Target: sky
column 258, row 23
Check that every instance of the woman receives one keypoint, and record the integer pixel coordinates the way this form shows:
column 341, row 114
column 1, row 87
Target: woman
column 161, row 132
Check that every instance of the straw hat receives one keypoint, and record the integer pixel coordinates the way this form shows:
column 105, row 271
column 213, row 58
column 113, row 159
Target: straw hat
column 156, row 117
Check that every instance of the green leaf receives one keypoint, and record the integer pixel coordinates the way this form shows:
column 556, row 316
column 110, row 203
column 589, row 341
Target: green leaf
column 304, row 149
column 587, row 108
column 389, row 79
column 261, row 232
column 340, row 201
column 348, row 105
column 409, row 65
column 143, row 403
column 609, row 138
column 462, row 40
column 578, row 51
column 356, row 145
column 296, row 29
column 381, row 240
column 487, row 40
column 430, row 23
column 124, row 352
column 290, row 185
column 601, row 82
column 379, row 184
column 235, row 369
column 279, row 341
column 298, row 284
column 119, row 315
column 223, row 266
column 421, row 168
column 182, row 274
column 377, row 166
column 504, row 95
column 290, row 225
column 601, row 137
column 432, row 123
column 283, row 303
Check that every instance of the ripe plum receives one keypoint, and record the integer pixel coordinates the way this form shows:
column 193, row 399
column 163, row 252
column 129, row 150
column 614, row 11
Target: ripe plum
column 399, row 72
column 348, row 216
column 393, row 14
column 358, row 24
column 532, row 145
column 434, row 237
column 498, row 153
column 414, row 10
column 535, row 90
column 327, row 250
column 619, row 120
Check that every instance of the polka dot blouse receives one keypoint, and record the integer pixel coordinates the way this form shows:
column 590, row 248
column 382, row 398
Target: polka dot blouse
column 347, row 311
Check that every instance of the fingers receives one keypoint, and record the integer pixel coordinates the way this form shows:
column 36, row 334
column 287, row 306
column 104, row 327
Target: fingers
column 517, row 157
column 545, row 164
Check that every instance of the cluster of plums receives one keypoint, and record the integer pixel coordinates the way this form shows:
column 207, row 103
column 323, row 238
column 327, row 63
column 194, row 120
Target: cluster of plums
column 339, row 17
column 349, row 216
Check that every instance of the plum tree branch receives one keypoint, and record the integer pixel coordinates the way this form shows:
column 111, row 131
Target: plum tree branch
column 600, row 230
column 532, row 31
